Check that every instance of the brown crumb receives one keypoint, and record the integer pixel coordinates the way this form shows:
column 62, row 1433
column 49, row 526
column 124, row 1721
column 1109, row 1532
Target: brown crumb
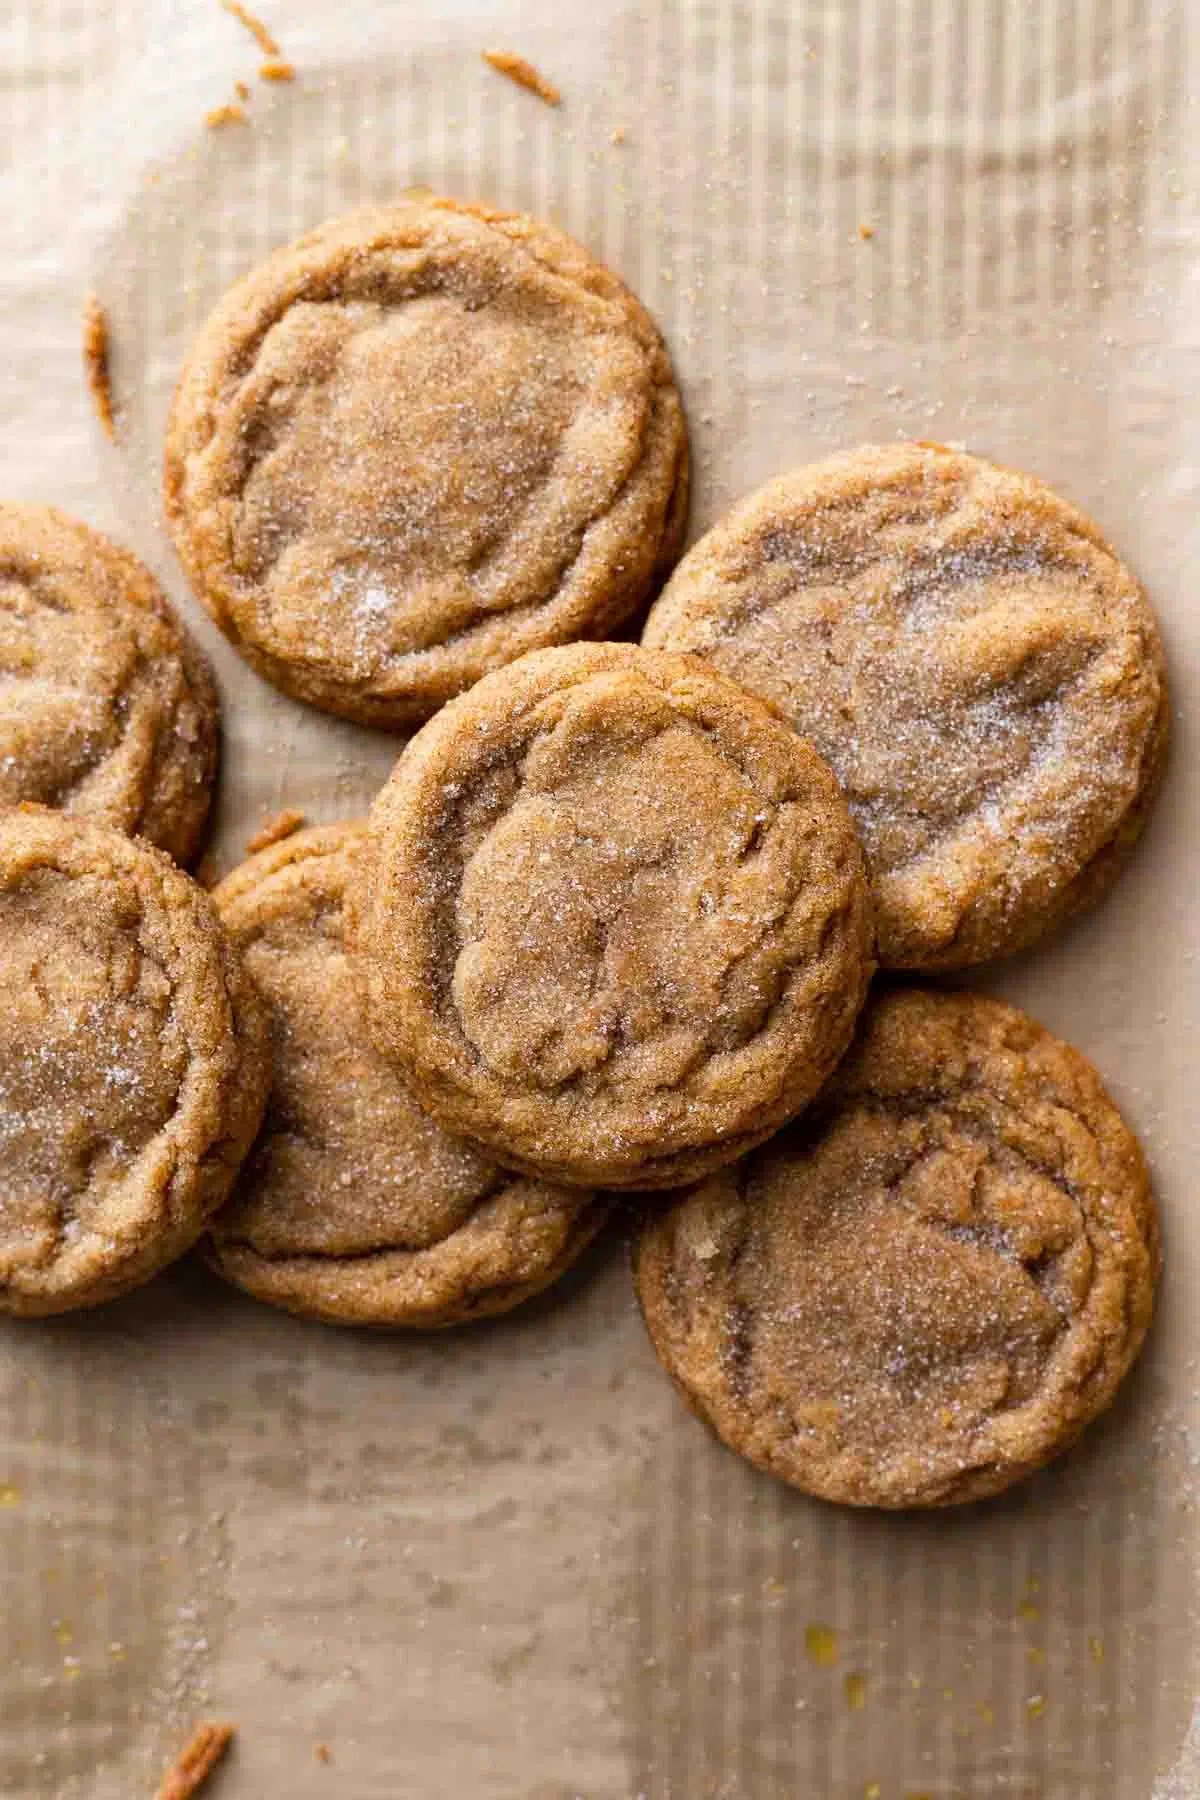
column 255, row 27
column 524, row 74
column 866, row 233
column 196, row 1761
column 619, row 134
column 279, row 826
column 229, row 114
column 96, row 369
column 242, row 89
column 275, row 69
column 321, row 1752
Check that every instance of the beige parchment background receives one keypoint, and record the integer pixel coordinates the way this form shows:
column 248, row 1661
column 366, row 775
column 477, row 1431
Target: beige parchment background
column 503, row 1563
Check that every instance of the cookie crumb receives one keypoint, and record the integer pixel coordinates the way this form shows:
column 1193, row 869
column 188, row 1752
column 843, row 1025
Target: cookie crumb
column 820, row 1645
column 1035, row 1706
column 866, row 233
column 276, row 69
column 1096, row 1649
column 619, row 135
column 196, row 1761
column 321, row 1752
column 96, row 352
column 258, row 31
column 242, row 89
column 230, row 114
column 856, row 1692
column 279, row 826
column 507, row 62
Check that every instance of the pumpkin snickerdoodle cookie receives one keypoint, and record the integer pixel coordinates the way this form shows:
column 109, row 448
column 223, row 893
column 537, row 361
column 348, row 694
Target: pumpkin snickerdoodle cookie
column 134, row 1062
column 107, row 707
column 981, row 672
column 613, row 917
column 354, row 1206
column 928, row 1286
column 416, row 443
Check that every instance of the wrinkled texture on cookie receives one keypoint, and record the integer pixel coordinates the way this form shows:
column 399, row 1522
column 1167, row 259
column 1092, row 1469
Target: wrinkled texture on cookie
column 134, row 1062
column 107, row 707
column 614, row 917
column 927, row 1287
column 354, row 1206
column 983, row 675
column 415, row 444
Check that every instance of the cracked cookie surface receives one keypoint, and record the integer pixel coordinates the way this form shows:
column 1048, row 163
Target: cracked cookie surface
column 981, row 672
column 107, row 707
column 134, row 1062
column 354, row 1206
column 613, row 917
column 416, row 443
column 927, row 1287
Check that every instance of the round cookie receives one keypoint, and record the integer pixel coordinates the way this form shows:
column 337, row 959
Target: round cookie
column 107, row 707
column 416, row 443
column 927, row 1287
column 134, row 1062
column 354, row 1206
column 983, row 675
column 613, row 917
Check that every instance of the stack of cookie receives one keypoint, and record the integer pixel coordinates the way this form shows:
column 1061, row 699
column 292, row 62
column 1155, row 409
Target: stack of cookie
column 612, row 922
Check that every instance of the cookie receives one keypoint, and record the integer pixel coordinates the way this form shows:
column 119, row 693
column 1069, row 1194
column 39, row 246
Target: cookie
column 982, row 674
column 416, row 443
column 134, row 1062
column 613, row 917
column 928, row 1286
column 107, row 707
column 354, row 1206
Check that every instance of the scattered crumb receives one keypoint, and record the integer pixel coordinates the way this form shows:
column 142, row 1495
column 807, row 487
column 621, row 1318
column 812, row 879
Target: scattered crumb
column 872, row 1791
column 1035, row 1706
column 96, row 353
column 914, row 1681
column 1095, row 1644
column 1029, row 1612
column 255, row 27
column 1035, row 1653
column 279, row 826
column 986, row 1713
column 10, row 1495
column 619, row 135
column 321, row 1752
column 820, row 1644
column 524, row 74
column 856, row 1692
column 196, row 1761
column 866, row 233
column 275, row 69
column 230, row 114
column 947, row 1693
column 242, row 89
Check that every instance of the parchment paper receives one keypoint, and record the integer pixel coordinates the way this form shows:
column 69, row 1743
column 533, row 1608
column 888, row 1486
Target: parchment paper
column 504, row 1561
